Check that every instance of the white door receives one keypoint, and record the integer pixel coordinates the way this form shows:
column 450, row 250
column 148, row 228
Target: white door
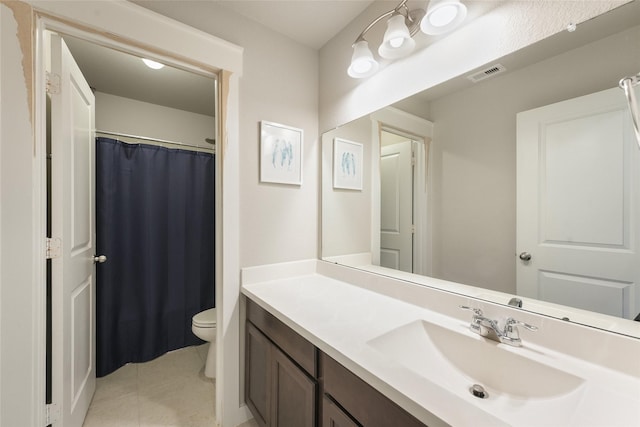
column 578, row 205
column 396, row 206
column 72, row 190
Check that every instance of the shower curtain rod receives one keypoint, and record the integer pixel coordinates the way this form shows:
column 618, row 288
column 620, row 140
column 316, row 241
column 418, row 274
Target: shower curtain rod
column 164, row 141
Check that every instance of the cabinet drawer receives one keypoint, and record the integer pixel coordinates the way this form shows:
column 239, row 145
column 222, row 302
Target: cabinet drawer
column 298, row 348
column 365, row 404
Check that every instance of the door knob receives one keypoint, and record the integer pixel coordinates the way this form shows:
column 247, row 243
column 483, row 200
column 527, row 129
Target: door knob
column 99, row 259
column 525, row 256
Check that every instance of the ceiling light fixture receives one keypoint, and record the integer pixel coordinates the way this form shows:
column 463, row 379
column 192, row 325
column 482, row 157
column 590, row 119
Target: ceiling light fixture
column 152, row 64
column 442, row 16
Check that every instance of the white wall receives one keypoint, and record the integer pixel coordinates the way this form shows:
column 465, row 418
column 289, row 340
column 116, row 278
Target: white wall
column 474, row 152
column 506, row 27
column 279, row 84
column 132, row 117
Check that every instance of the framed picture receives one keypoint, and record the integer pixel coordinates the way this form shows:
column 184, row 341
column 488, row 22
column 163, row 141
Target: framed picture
column 347, row 164
column 280, row 153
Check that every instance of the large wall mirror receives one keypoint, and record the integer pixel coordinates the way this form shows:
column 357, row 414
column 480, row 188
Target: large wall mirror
column 517, row 183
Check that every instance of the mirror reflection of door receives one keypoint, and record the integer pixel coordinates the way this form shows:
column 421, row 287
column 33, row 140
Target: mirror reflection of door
column 396, row 197
column 400, row 176
column 577, row 205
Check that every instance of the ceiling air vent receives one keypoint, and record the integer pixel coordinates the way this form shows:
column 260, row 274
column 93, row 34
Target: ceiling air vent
column 487, row 72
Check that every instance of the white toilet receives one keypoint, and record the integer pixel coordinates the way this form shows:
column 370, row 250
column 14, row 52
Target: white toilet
column 203, row 326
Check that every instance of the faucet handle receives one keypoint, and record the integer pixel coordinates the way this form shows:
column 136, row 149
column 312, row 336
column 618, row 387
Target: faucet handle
column 476, row 311
column 513, row 322
column 511, row 335
column 475, row 321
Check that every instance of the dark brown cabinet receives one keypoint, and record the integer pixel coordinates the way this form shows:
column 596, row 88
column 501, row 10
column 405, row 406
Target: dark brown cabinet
column 290, row 383
column 364, row 404
column 279, row 392
column 293, row 394
column 258, row 375
column 334, row 416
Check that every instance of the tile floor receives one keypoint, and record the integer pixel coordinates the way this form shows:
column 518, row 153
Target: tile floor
column 168, row 391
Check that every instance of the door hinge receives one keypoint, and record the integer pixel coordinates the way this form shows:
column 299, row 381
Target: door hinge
column 53, row 247
column 52, row 414
column 413, row 229
column 53, row 83
column 413, row 158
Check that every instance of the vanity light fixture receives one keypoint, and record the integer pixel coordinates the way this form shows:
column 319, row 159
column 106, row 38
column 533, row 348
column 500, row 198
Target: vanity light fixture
column 152, row 64
column 440, row 17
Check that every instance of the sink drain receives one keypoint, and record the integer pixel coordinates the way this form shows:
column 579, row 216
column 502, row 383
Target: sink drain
column 478, row 391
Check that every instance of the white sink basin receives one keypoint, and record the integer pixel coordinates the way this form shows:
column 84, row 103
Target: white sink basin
column 456, row 359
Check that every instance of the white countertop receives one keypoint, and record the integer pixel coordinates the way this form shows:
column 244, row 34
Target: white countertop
column 341, row 319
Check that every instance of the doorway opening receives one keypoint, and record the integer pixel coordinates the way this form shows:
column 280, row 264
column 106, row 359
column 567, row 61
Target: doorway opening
column 176, row 111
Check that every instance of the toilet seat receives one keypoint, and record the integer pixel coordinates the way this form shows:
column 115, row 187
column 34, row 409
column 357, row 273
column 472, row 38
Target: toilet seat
column 205, row 319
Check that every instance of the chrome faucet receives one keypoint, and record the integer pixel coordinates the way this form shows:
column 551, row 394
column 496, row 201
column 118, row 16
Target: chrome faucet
column 489, row 328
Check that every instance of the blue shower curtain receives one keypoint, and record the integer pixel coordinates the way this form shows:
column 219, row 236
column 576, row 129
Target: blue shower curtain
column 155, row 223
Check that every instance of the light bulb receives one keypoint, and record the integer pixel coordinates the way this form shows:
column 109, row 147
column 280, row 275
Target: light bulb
column 362, row 66
column 152, row 64
column 397, row 42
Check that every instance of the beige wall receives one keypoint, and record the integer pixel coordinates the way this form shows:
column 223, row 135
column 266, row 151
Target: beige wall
column 278, row 223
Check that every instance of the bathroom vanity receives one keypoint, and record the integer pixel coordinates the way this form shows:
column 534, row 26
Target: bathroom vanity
column 285, row 374
column 328, row 345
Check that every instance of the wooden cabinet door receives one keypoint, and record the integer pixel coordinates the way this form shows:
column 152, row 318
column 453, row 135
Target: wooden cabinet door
column 258, row 375
column 333, row 416
column 293, row 394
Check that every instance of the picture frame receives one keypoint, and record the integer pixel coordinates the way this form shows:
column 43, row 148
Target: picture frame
column 347, row 164
column 281, row 149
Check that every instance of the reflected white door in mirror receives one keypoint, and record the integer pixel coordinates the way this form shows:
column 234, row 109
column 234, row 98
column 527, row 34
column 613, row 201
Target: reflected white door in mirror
column 578, row 205
column 396, row 194
column 402, row 200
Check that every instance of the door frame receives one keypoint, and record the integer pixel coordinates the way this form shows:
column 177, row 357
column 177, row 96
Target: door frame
column 206, row 55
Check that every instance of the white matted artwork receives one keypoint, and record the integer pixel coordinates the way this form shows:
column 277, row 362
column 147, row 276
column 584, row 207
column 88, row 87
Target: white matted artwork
column 347, row 164
column 280, row 153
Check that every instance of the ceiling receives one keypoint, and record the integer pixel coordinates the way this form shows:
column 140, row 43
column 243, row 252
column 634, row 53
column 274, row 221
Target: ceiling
column 310, row 22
